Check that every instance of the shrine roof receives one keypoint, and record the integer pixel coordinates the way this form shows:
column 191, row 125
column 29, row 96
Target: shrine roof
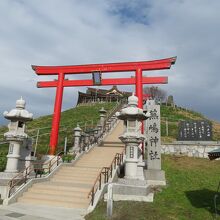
column 114, row 89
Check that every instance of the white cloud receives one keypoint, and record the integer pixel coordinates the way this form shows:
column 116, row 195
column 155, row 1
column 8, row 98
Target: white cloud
column 55, row 32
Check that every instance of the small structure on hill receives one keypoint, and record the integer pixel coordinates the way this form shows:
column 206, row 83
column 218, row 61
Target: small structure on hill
column 170, row 101
column 102, row 95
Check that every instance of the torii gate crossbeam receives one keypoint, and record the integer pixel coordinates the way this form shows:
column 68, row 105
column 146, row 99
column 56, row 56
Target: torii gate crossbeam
column 61, row 71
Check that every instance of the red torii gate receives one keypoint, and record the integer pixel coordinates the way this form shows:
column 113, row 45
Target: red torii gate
column 61, row 71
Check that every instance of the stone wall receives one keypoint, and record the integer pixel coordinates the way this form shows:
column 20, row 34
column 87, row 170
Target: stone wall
column 190, row 149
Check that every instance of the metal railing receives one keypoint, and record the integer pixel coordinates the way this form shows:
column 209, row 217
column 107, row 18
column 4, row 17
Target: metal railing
column 104, row 175
column 23, row 176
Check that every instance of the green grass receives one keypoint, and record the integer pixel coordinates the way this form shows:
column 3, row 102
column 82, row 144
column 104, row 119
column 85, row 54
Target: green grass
column 69, row 120
column 82, row 114
column 191, row 185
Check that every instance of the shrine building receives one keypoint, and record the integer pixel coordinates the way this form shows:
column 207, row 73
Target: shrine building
column 102, row 95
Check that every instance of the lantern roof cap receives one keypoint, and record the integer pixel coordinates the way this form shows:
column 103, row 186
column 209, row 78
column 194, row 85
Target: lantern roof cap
column 77, row 128
column 133, row 100
column 102, row 110
column 19, row 113
column 132, row 111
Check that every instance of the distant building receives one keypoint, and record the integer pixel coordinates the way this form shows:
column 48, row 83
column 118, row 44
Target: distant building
column 102, row 95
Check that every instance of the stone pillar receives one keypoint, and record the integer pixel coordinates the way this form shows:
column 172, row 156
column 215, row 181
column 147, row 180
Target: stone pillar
column 13, row 156
column 86, row 141
column 82, row 142
column 77, row 133
column 131, row 160
column 99, row 127
column 154, row 174
column 102, row 112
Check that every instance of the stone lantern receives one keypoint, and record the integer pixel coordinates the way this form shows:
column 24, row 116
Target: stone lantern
column 96, row 134
column 102, row 112
column 132, row 136
column 16, row 134
column 77, row 133
column 86, row 141
column 82, row 142
column 99, row 127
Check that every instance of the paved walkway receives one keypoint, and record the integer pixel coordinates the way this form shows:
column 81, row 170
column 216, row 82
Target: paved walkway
column 19, row 211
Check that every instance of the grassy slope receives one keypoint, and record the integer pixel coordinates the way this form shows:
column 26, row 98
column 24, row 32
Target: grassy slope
column 84, row 114
column 69, row 119
column 191, row 185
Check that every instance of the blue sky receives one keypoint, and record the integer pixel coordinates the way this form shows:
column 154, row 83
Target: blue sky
column 68, row 32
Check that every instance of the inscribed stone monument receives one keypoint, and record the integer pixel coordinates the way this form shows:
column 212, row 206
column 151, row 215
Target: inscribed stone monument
column 195, row 130
column 154, row 174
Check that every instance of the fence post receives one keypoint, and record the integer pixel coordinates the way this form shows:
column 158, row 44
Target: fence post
column 167, row 127
column 36, row 142
column 65, row 145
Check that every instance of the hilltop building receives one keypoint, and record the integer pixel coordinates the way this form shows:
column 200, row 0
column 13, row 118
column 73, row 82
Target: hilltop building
column 102, row 95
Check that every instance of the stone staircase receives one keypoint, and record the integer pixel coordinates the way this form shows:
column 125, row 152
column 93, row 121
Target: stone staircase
column 70, row 185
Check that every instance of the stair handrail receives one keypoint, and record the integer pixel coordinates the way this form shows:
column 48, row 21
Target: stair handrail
column 107, row 172
column 27, row 171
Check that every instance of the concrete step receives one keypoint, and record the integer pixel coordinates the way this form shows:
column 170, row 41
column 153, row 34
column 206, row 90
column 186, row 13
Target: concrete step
column 54, row 186
column 75, row 173
column 53, row 203
column 72, row 184
column 67, row 198
column 63, row 175
column 94, row 164
column 86, row 178
column 87, row 181
column 78, row 168
column 58, row 192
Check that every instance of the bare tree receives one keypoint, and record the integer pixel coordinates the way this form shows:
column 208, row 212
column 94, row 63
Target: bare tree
column 156, row 93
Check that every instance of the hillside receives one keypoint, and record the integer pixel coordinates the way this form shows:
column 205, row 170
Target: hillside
column 89, row 116
column 85, row 116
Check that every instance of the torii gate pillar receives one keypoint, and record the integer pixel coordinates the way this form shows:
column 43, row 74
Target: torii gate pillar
column 56, row 114
column 139, row 87
column 138, row 67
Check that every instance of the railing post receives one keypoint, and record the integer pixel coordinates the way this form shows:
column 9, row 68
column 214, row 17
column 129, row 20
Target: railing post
column 25, row 177
column 100, row 181
column 10, row 187
column 107, row 175
column 49, row 166
column 36, row 142
column 93, row 195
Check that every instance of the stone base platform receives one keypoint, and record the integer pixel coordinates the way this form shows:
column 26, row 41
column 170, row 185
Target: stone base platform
column 131, row 190
column 155, row 177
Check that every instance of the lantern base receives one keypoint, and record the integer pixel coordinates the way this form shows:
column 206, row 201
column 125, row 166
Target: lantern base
column 155, row 177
